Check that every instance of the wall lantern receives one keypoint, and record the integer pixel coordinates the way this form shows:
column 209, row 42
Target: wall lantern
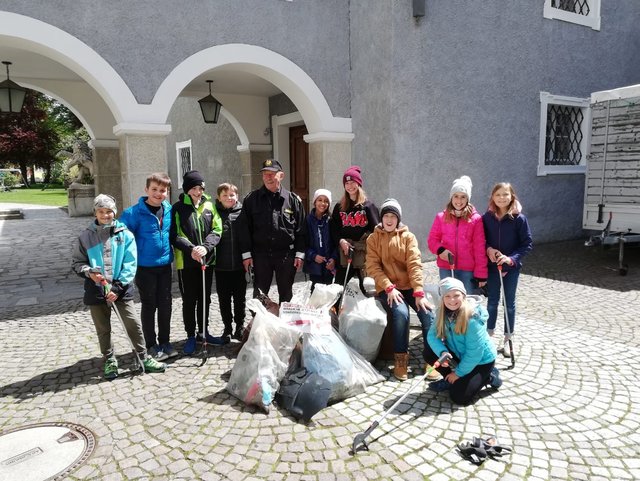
column 210, row 107
column 11, row 94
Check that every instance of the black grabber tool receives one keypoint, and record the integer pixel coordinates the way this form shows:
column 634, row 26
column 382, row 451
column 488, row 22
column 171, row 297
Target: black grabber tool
column 506, row 318
column 205, row 350
column 452, row 264
column 360, row 438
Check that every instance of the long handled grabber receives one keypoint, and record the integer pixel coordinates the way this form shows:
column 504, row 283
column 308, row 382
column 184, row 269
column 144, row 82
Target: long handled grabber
column 205, row 350
column 346, row 278
column 137, row 360
column 506, row 318
column 452, row 264
column 360, row 438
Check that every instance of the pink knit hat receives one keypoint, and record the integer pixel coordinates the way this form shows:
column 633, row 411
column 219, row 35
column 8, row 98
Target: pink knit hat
column 353, row 173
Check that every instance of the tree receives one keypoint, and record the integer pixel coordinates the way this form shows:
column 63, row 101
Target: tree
column 35, row 136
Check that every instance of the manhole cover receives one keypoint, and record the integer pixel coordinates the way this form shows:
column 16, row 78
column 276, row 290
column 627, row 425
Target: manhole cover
column 45, row 451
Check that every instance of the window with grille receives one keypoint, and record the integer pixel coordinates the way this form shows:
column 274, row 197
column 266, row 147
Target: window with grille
column 184, row 158
column 564, row 131
column 582, row 12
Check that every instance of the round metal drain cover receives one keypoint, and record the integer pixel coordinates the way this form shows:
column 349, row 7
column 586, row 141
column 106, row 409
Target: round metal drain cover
column 45, row 451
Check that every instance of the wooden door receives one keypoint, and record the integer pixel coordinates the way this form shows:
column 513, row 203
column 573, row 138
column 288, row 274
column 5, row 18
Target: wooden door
column 299, row 158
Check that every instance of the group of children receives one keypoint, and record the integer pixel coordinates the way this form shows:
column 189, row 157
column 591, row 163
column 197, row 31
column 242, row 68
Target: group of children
column 139, row 248
column 472, row 252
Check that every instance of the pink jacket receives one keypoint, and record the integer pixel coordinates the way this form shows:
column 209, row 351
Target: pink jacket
column 465, row 239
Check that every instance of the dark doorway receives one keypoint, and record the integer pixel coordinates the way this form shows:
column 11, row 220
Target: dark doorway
column 299, row 157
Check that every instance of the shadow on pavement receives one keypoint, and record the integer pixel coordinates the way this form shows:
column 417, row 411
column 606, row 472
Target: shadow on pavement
column 572, row 261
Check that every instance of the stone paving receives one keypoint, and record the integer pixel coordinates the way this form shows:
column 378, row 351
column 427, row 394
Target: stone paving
column 570, row 408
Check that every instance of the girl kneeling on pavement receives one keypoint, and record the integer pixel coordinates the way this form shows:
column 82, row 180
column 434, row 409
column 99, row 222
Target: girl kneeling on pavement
column 393, row 260
column 460, row 330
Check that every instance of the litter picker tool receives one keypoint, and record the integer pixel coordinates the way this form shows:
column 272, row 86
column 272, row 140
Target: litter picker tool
column 346, row 277
column 506, row 318
column 205, row 350
column 360, row 438
column 452, row 264
column 137, row 360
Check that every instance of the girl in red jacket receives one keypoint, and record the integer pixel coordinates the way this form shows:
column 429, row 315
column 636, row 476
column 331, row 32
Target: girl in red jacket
column 457, row 231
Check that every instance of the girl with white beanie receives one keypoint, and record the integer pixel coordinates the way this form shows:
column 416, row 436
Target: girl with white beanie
column 457, row 235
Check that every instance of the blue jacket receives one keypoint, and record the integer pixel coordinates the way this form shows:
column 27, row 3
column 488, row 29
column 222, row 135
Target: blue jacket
column 510, row 235
column 113, row 250
column 472, row 348
column 152, row 237
column 319, row 242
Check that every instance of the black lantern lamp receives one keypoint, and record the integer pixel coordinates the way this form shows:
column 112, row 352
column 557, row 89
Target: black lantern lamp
column 210, row 107
column 11, row 94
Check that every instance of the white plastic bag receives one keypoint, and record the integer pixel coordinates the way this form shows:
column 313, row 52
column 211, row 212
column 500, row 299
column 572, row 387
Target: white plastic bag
column 325, row 295
column 329, row 356
column 263, row 360
column 362, row 322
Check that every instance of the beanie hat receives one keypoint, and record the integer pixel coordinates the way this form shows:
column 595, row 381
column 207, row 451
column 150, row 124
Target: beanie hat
column 192, row 179
column 104, row 201
column 391, row 206
column 463, row 185
column 320, row 192
column 450, row 284
column 353, row 173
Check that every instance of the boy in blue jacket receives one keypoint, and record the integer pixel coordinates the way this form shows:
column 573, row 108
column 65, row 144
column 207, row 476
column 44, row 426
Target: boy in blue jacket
column 105, row 256
column 150, row 221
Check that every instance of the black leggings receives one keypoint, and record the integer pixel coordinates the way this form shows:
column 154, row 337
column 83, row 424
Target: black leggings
column 465, row 388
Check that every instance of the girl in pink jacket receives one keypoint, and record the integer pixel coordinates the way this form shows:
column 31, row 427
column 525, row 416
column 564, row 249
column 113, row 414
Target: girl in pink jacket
column 457, row 238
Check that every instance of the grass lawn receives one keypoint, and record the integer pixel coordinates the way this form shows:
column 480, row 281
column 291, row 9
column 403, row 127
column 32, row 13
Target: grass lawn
column 52, row 197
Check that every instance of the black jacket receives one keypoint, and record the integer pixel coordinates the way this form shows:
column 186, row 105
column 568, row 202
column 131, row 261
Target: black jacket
column 228, row 255
column 272, row 223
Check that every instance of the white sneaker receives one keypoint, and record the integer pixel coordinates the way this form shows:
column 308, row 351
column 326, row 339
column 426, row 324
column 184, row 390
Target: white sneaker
column 506, row 351
column 157, row 353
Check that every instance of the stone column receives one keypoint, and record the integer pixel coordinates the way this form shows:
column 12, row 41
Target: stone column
column 251, row 157
column 106, row 168
column 329, row 157
column 143, row 150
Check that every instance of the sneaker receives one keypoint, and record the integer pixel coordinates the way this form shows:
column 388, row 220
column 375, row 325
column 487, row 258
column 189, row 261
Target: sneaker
column 219, row 341
column 189, row 346
column 151, row 365
column 168, row 349
column 506, row 351
column 111, row 368
column 227, row 331
column 439, row 386
column 238, row 334
column 494, row 378
column 157, row 353
column 433, row 375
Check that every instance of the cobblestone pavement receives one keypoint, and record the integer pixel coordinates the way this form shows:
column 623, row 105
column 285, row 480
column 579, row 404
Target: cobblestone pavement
column 570, row 408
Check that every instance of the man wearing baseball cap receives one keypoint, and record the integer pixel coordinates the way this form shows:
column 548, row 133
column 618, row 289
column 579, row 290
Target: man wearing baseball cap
column 272, row 233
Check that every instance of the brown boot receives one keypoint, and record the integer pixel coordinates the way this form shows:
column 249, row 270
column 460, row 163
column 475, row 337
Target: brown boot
column 400, row 368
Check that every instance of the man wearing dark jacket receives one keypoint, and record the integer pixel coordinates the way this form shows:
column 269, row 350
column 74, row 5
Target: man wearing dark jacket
column 272, row 233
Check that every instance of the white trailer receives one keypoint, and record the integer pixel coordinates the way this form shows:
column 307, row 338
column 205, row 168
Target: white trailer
column 612, row 184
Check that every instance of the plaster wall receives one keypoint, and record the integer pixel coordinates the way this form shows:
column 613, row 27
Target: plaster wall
column 213, row 147
column 457, row 92
column 145, row 40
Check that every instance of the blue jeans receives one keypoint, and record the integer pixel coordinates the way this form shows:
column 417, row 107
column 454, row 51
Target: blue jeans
column 400, row 319
column 510, row 282
column 465, row 276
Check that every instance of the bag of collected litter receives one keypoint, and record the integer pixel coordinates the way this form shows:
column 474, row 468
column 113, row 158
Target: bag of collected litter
column 362, row 321
column 329, row 356
column 305, row 318
column 325, row 295
column 303, row 393
column 263, row 360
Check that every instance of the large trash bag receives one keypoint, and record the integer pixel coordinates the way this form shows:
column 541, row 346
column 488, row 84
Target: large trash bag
column 263, row 360
column 303, row 393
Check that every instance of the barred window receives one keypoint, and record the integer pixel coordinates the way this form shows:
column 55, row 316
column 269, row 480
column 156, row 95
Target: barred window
column 564, row 124
column 184, row 158
column 582, row 12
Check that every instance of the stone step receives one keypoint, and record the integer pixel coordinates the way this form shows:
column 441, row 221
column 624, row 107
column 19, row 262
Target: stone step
column 9, row 214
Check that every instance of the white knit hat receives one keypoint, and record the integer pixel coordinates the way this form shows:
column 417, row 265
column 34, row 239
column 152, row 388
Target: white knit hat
column 463, row 185
column 104, row 201
column 319, row 192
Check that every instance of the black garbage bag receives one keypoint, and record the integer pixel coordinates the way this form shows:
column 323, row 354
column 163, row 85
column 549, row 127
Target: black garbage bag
column 303, row 393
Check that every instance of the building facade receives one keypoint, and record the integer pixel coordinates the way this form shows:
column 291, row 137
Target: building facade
column 494, row 90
